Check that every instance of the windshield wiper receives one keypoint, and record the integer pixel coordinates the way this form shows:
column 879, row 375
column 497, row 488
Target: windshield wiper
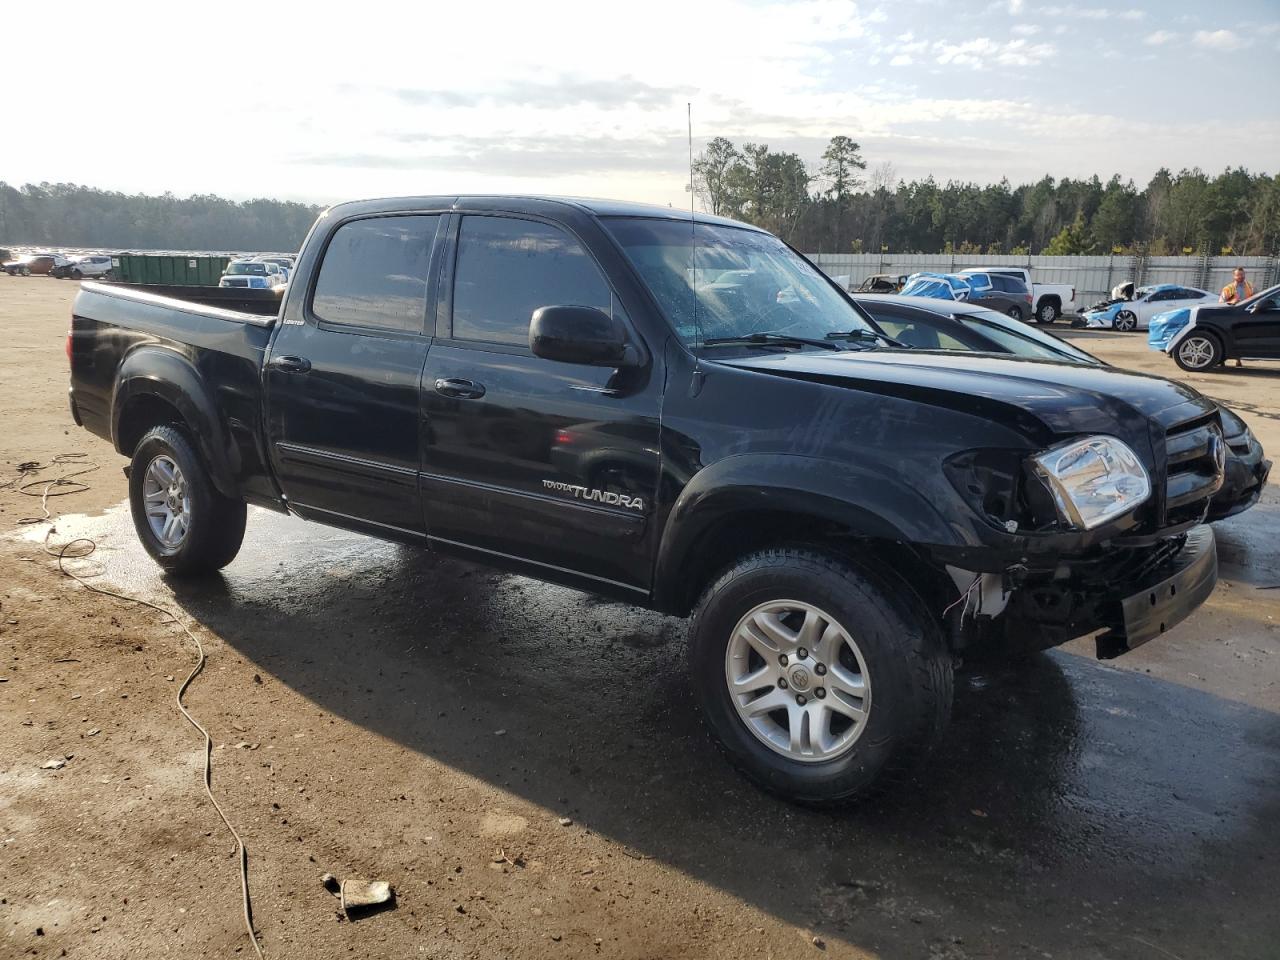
column 771, row 338
column 867, row 336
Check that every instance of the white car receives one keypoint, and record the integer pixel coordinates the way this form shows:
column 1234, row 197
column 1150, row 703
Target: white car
column 91, row 266
column 1146, row 302
column 254, row 275
column 1049, row 301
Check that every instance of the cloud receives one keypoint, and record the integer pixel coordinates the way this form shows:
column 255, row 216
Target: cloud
column 1025, row 29
column 1219, row 40
column 1015, row 7
column 982, row 52
column 1159, row 38
column 610, row 93
column 1093, row 13
column 901, row 60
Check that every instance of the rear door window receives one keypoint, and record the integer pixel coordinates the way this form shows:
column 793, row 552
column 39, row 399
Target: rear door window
column 508, row 268
column 374, row 274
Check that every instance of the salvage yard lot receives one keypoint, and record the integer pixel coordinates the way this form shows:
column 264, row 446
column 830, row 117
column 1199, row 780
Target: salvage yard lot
column 378, row 712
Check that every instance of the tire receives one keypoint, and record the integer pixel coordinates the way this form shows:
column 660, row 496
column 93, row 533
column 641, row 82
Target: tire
column 1047, row 312
column 887, row 639
column 25, row 271
column 1199, row 352
column 214, row 524
column 1125, row 320
column 77, row 275
column 1014, row 313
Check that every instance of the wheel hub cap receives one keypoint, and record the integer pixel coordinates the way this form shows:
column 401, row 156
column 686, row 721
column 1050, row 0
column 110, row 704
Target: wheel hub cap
column 165, row 499
column 798, row 681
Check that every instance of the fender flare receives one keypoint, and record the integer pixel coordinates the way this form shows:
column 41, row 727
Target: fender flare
column 856, row 498
column 167, row 375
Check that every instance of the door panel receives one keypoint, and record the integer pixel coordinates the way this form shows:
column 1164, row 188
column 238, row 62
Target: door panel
column 550, row 463
column 1257, row 334
column 343, row 379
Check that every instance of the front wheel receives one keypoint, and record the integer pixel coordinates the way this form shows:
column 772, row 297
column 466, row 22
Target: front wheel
column 186, row 525
column 1125, row 320
column 1199, row 351
column 820, row 682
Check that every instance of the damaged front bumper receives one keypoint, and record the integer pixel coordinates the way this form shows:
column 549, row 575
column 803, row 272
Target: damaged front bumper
column 1166, row 597
column 1125, row 598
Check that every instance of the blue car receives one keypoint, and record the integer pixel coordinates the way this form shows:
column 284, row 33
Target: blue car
column 1165, row 326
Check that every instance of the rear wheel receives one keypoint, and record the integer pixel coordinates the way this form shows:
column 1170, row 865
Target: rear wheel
column 788, row 650
column 1199, row 351
column 186, row 525
column 25, row 271
column 1125, row 320
column 1047, row 312
column 1015, row 313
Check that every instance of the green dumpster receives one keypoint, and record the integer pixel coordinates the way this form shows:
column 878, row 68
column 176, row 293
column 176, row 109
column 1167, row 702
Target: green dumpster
column 170, row 269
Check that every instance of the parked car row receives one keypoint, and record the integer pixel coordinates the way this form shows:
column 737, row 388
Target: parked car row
column 1007, row 295
column 1010, row 290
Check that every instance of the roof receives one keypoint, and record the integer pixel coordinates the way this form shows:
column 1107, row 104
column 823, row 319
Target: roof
column 530, row 202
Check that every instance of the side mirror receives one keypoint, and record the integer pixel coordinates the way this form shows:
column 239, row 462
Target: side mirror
column 584, row 335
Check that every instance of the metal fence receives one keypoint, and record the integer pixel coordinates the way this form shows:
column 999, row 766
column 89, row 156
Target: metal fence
column 1093, row 277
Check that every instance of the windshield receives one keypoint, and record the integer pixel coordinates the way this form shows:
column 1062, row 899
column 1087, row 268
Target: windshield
column 745, row 281
column 1022, row 340
column 243, row 269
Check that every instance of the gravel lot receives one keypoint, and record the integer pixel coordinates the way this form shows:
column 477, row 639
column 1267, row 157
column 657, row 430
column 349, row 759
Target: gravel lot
column 526, row 765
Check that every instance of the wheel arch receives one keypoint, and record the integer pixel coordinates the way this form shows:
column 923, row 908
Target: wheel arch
column 714, row 523
column 157, row 386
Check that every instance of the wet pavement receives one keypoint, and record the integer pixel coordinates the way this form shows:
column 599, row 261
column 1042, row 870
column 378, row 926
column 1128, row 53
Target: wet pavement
column 1075, row 810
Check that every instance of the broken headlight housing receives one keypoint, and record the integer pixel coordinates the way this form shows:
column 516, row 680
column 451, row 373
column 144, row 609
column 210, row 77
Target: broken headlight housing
column 1092, row 480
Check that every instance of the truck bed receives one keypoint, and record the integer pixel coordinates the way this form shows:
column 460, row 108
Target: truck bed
column 261, row 303
column 123, row 335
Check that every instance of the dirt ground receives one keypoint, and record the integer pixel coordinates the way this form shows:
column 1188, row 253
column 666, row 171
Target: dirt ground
column 525, row 764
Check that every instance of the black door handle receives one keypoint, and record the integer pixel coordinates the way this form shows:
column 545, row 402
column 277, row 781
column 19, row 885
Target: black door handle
column 460, row 389
column 290, row 364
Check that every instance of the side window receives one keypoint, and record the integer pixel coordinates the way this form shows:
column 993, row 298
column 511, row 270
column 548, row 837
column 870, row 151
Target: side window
column 374, row 273
column 508, row 268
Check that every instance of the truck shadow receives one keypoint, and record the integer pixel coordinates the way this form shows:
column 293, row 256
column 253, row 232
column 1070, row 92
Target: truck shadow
column 1069, row 797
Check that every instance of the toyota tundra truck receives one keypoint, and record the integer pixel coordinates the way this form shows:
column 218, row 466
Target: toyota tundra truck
column 680, row 412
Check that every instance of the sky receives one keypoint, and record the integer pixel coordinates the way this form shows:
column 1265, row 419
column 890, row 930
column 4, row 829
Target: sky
column 323, row 103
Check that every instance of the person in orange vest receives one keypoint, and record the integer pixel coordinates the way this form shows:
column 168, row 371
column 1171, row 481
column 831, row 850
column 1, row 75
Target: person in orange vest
column 1238, row 289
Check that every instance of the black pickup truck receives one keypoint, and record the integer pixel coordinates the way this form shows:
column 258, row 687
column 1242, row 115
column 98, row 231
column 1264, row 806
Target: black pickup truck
column 685, row 414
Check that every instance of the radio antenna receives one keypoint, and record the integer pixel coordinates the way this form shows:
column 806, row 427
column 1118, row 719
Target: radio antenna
column 693, row 238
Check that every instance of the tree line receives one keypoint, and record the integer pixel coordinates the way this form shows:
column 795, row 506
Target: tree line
column 68, row 215
column 840, row 207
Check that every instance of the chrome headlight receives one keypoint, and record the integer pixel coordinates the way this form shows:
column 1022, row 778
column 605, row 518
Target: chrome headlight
column 1093, row 480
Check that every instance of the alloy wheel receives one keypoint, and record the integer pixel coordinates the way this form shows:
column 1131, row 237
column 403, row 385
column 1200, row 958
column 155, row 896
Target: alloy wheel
column 1197, row 352
column 798, row 680
column 167, row 502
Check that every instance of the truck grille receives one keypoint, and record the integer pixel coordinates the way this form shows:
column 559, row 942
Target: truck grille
column 1195, row 451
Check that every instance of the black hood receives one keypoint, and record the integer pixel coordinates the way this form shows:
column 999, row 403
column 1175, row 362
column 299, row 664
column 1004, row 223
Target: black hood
column 1066, row 397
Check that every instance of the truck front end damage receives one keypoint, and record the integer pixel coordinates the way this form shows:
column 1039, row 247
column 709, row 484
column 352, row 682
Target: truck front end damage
column 1127, row 597
column 1124, row 554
